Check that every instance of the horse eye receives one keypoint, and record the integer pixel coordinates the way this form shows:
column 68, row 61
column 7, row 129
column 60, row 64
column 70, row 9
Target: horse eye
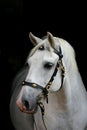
column 41, row 47
column 48, row 65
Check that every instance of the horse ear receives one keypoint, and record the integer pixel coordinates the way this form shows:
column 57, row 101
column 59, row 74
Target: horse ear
column 35, row 40
column 50, row 39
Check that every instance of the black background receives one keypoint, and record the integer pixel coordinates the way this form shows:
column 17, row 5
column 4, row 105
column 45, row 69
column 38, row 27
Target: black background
column 17, row 19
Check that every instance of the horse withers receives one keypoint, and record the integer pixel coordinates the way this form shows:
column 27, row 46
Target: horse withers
column 48, row 93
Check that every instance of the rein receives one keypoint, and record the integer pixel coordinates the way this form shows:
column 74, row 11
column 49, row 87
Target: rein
column 45, row 90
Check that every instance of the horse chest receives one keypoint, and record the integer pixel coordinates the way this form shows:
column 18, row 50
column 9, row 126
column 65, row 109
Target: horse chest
column 62, row 123
column 57, row 121
column 53, row 119
column 62, row 120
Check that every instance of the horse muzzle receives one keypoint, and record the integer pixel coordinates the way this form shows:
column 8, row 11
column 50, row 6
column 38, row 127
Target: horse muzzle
column 28, row 106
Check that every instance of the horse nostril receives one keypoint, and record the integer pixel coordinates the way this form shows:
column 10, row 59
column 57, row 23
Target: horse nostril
column 26, row 104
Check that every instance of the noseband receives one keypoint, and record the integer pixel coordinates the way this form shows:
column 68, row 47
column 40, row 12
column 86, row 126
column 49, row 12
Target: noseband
column 45, row 90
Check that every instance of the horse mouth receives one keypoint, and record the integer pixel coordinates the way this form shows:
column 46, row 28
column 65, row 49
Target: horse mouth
column 29, row 112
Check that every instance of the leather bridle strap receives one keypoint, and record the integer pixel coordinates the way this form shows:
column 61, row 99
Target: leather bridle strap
column 31, row 84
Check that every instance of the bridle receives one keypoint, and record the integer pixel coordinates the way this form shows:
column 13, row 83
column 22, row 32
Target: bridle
column 45, row 90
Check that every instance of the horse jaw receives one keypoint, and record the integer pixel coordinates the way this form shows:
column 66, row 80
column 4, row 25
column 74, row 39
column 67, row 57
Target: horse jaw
column 35, row 40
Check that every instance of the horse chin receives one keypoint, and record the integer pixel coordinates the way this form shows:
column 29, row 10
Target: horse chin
column 30, row 111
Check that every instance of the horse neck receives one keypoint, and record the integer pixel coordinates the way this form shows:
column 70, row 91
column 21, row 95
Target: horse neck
column 72, row 92
column 73, row 87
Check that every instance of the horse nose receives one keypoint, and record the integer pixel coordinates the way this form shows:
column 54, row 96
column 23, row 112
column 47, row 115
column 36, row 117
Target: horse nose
column 25, row 103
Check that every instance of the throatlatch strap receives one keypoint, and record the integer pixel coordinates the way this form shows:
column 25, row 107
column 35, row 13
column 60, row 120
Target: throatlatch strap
column 62, row 72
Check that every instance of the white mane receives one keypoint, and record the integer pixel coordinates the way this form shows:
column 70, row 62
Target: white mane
column 69, row 54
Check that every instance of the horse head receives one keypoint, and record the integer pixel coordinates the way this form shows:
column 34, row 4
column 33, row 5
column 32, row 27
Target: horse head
column 45, row 74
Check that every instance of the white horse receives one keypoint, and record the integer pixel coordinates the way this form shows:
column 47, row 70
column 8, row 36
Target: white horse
column 48, row 93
